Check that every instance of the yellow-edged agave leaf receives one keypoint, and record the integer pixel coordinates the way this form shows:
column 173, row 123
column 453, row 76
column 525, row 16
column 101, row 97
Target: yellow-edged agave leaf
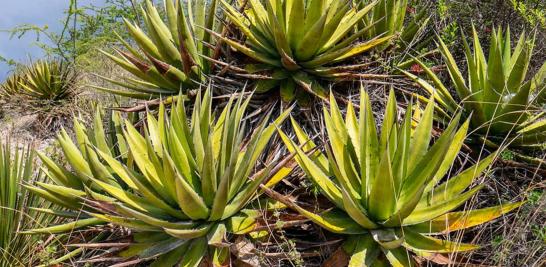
column 182, row 183
column 419, row 242
column 500, row 95
column 399, row 204
column 168, row 58
column 291, row 40
column 454, row 221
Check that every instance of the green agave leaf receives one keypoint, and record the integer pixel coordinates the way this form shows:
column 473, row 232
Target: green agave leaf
column 131, row 223
column 335, row 221
column 362, row 249
column 399, row 257
column 458, row 183
column 217, row 235
column 153, row 220
column 67, row 227
column 424, row 214
column 193, row 233
column 382, row 198
column 242, row 223
column 172, row 257
column 162, row 247
column 414, row 185
column 450, row 156
column 369, row 145
column 195, row 253
column 314, row 172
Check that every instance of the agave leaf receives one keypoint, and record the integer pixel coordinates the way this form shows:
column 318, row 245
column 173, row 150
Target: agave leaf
column 513, row 111
column 243, row 222
column 294, row 22
column 463, row 219
column 314, row 172
column 439, row 90
column 67, row 193
column 140, row 37
column 355, row 210
column 192, row 233
column 495, row 75
column 450, row 155
column 131, row 199
column 67, row 227
column 195, row 253
column 135, row 95
column 420, row 139
column 74, row 156
column 458, row 183
column 382, row 198
column 155, row 221
column 415, row 183
column 217, row 235
column 247, row 51
column 520, row 66
column 417, row 242
column 363, row 250
column 49, row 196
column 189, row 201
column 310, row 43
column 401, row 157
column 399, row 257
column 59, row 174
column 172, row 257
column 389, row 130
column 341, row 29
column 454, row 72
column 369, row 145
column 424, row 214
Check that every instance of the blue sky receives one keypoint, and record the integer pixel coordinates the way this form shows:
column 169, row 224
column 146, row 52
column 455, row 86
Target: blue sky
column 37, row 12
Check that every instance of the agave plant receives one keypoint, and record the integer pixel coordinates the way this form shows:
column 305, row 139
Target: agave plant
column 16, row 167
column 11, row 86
column 389, row 16
column 389, row 193
column 504, row 103
column 180, row 188
column 44, row 80
column 170, row 57
column 297, row 42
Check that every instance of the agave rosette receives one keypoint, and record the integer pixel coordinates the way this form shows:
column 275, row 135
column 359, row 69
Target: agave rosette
column 180, row 188
column 15, row 168
column 389, row 193
column 170, row 57
column 505, row 104
column 297, row 42
column 11, row 85
column 43, row 80
column 19, row 209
